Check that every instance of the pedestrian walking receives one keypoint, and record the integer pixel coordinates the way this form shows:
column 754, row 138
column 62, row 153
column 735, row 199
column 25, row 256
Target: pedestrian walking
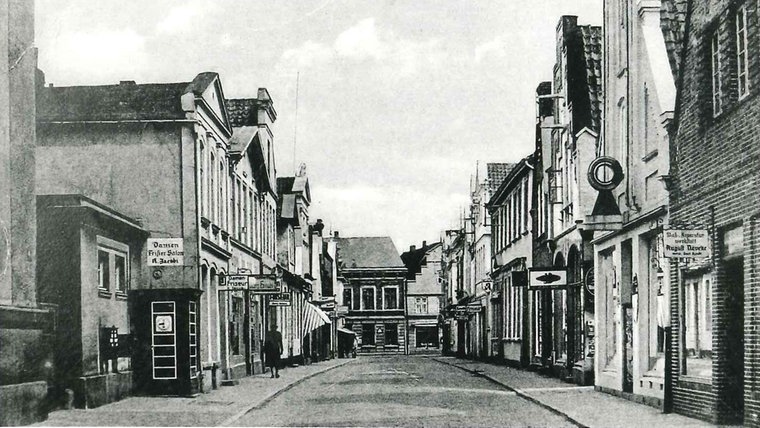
column 273, row 349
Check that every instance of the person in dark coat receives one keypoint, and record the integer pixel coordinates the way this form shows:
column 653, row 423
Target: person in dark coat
column 273, row 349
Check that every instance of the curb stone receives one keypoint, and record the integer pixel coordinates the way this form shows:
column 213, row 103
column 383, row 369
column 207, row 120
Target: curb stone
column 520, row 393
column 264, row 401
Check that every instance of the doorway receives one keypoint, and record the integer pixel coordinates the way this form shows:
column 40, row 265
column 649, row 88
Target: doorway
column 734, row 285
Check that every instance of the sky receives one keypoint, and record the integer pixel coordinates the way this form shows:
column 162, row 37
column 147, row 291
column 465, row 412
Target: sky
column 391, row 104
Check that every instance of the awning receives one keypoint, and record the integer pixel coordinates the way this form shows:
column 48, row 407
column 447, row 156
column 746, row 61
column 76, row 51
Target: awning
column 313, row 318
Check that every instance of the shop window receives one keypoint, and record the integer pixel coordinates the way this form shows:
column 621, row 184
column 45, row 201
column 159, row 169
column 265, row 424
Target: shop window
column 368, row 334
column 427, row 337
column 390, row 298
column 368, row 298
column 391, row 334
column 611, row 314
column 698, row 335
column 656, row 309
column 236, row 318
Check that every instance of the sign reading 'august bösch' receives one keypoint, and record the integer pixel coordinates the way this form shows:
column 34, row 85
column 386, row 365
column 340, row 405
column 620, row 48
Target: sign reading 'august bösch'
column 686, row 244
column 165, row 252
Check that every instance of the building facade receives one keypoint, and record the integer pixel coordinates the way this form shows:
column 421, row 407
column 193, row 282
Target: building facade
column 423, row 297
column 177, row 138
column 714, row 184
column 515, row 314
column 632, row 275
column 569, row 131
column 376, row 288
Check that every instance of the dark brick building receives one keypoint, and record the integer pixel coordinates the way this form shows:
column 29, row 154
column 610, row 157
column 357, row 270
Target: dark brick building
column 715, row 186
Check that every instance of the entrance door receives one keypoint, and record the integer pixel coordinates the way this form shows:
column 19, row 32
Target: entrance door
column 734, row 283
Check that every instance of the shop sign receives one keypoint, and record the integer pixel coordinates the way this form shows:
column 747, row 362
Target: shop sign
column 341, row 309
column 588, row 281
column 264, row 284
column 166, row 252
column 237, row 282
column 539, row 278
column 282, row 299
column 472, row 309
column 686, row 244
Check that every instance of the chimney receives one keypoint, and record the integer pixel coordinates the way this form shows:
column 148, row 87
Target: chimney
column 319, row 227
column 412, row 248
column 127, row 83
column 424, row 244
column 336, row 234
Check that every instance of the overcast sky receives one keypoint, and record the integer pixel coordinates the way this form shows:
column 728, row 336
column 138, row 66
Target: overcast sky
column 397, row 100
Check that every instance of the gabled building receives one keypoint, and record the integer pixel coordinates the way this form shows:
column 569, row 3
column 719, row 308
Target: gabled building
column 163, row 155
column 376, row 288
column 568, row 133
column 515, row 310
column 423, row 297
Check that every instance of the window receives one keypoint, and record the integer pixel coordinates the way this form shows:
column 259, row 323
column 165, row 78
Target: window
column 420, row 305
column 104, row 274
column 390, row 298
column 203, row 191
column 212, row 187
column 120, row 273
column 391, row 334
column 236, row 324
column 113, row 266
column 221, row 212
column 742, row 63
column 368, row 298
column 698, row 331
column 368, row 334
column 347, row 297
column 716, row 78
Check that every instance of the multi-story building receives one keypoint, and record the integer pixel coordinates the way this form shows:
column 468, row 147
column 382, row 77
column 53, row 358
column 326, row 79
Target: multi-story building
column 163, row 154
column 569, row 132
column 454, row 312
column 423, row 297
column 515, row 314
column 714, row 183
column 631, row 278
column 376, row 288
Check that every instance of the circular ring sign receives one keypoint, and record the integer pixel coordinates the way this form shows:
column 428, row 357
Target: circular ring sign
column 605, row 173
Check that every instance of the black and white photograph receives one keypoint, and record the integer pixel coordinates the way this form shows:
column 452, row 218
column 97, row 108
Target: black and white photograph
column 380, row 213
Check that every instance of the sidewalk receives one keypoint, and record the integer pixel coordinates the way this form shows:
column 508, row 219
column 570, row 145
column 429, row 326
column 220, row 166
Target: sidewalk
column 220, row 407
column 580, row 404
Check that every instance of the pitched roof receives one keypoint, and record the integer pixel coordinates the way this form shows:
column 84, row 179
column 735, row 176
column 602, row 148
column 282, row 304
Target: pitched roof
column 242, row 136
column 496, row 173
column 242, row 111
column 285, row 185
column 125, row 101
column 369, row 252
column 591, row 37
column 414, row 260
column 673, row 24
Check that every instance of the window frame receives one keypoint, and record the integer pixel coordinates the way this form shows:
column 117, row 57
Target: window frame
column 113, row 249
column 396, row 297
column 742, row 39
column 716, row 75
column 374, row 297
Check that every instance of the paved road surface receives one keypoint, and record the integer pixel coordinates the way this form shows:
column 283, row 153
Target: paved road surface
column 399, row 391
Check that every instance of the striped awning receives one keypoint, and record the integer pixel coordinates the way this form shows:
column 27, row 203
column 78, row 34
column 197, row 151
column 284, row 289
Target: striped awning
column 313, row 318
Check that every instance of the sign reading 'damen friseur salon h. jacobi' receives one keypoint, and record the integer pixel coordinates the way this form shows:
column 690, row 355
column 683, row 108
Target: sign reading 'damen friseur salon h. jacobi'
column 686, row 244
column 165, row 252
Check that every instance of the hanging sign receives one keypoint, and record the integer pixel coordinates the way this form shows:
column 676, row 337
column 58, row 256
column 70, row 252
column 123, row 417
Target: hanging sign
column 264, row 284
column 686, row 244
column 237, row 282
column 539, row 278
column 282, row 299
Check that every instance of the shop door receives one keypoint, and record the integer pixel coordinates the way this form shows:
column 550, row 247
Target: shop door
column 734, row 283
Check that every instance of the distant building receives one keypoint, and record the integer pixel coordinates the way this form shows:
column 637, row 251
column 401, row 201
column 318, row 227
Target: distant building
column 515, row 309
column 423, row 297
column 376, row 288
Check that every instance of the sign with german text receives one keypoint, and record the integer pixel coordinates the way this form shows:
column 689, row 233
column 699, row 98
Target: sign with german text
column 686, row 244
column 237, row 282
column 547, row 278
column 166, row 252
column 264, row 284
column 282, row 299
